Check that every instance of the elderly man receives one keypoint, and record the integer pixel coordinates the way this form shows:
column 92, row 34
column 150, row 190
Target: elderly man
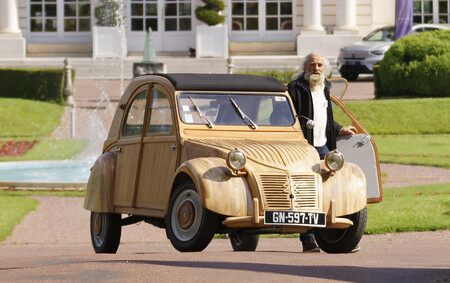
column 310, row 92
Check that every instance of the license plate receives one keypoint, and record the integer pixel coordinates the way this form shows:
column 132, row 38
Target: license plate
column 316, row 219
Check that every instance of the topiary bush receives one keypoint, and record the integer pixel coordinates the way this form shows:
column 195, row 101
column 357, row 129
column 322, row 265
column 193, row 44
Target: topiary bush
column 107, row 13
column 417, row 65
column 209, row 14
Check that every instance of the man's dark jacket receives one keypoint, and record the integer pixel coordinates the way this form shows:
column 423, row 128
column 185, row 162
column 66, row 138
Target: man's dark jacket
column 300, row 93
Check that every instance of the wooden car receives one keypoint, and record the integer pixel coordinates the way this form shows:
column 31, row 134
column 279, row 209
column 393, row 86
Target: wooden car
column 200, row 154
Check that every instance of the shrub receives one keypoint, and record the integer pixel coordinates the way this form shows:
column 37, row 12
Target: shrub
column 209, row 14
column 107, row 13
column 33, row 84
column 417, row 65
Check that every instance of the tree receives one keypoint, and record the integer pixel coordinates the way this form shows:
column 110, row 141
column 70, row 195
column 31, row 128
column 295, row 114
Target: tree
column 209, row 14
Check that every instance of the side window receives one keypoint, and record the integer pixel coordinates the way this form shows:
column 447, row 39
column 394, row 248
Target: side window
column 135, row 117
column 160, row 114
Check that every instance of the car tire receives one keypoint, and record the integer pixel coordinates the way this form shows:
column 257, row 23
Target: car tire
column 189, row 226
column 241, row 241
column 106, row 229
column 350, row 76
column 343, row 240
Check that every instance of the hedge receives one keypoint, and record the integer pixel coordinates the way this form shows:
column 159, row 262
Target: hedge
column 33, row 84
column 417, row 65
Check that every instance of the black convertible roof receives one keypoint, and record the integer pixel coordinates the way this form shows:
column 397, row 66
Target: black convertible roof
column 225, row 82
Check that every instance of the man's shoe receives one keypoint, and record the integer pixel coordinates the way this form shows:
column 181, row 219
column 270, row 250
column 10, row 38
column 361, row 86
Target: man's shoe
column 355, row 250
column 311, row 248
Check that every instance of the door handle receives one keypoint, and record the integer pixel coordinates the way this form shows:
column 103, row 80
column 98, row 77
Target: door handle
column 173, row 146
column 119, row 150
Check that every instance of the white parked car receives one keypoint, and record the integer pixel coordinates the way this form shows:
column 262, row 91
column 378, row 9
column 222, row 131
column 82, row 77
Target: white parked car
column 359, row 57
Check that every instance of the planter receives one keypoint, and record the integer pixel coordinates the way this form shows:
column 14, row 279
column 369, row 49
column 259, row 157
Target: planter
column 109, row 42
column 212, row 41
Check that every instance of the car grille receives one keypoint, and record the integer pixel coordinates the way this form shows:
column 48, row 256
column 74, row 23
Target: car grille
column 277, row 190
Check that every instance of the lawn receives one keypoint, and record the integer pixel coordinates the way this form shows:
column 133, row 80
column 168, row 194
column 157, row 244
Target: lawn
column 26, row 120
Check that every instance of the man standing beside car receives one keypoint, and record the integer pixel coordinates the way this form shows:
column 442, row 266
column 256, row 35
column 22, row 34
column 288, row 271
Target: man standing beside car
column 310, row 93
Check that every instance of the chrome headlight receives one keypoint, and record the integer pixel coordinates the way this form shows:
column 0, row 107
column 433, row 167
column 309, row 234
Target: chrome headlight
column 236, row 159
column 334, row 160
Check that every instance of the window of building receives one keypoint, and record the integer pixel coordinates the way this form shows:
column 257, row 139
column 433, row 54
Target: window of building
column 43, row 16
column 144, row 15
column 244, row 14
column 278, row 15
column 77, row 15
column 177, row 15
column 431, row 11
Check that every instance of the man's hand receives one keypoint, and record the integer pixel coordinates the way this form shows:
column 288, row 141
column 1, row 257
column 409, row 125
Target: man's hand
column 347, row 130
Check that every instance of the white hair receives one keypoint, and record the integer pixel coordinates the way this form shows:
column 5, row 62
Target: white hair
column 327, row 70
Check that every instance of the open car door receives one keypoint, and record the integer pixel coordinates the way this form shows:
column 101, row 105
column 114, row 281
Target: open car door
column 360, row 148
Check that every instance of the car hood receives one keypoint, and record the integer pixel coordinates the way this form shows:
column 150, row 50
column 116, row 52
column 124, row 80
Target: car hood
column 280, row 154
column 367, row 46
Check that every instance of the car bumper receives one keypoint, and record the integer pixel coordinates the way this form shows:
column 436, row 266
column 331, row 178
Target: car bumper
column 362, row 66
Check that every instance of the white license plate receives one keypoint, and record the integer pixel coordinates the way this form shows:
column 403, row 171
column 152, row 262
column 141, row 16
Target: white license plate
column 299, row 218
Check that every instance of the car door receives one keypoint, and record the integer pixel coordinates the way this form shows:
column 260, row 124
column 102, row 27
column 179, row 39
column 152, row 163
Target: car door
column 128, row 149
column 360, row 148
column 159, row 154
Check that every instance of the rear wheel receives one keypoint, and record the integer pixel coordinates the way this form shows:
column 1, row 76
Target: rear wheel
column 105, row 231
column 189, row 226
column 343, row 240
column 350, row 76
column 241, row 241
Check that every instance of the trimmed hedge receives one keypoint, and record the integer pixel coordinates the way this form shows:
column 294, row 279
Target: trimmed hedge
column 33, row 84
column 209, row 13
column 417, row 65
column 282, row 76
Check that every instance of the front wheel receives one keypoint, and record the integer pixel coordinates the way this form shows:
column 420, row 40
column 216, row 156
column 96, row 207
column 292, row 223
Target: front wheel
column 241, row 241
column 343, row 240
column 189, row 226
column 105, row 232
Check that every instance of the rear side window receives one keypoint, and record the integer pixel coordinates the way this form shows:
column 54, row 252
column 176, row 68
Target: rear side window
column 160, row 114
column 135, row 116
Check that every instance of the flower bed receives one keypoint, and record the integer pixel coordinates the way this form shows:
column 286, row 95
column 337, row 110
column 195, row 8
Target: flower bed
column 15, row 148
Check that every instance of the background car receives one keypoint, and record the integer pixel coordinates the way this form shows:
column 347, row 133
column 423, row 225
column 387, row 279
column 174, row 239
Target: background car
column 359, row 57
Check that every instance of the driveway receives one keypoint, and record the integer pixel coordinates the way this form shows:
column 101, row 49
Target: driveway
column 52, row 244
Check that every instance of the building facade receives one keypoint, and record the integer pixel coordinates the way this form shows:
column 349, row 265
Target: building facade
column 65, row 27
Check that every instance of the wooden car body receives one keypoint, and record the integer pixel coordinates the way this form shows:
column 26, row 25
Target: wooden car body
column 158, row 139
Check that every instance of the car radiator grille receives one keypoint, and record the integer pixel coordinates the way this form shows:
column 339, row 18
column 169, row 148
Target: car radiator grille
column 278, row 188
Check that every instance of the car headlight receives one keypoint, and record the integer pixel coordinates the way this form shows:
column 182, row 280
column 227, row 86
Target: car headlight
column 236, row 159
column 334, row 160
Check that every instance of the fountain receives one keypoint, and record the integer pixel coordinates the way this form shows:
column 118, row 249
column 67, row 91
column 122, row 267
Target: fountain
column 90, row 122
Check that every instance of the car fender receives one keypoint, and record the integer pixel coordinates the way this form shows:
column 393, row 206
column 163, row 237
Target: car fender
column 219, row 190
column 100, row 186
column 347, row 187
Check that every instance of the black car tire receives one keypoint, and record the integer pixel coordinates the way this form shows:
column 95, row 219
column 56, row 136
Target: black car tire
column 343, row 240
column 189, row 226
column 350, row 76
column 106, row 230
column 241, row 241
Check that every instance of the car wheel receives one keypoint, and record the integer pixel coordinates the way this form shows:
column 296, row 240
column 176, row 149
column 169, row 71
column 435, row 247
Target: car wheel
column 189, row 226
column 105, row 231
column 241, row 241
column 350, row 76
column 343, row 240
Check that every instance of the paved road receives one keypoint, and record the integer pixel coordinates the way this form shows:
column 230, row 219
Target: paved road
column 52, row 245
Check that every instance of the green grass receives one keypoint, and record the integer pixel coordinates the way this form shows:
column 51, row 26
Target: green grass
column 14, row 210
column 15, row 205
column 59, row 149
column 26, row 118
column 429, row 150
column 408, row 209
column 401, row 116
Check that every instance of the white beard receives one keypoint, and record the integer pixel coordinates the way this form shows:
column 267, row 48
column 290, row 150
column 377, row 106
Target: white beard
column 315, row 79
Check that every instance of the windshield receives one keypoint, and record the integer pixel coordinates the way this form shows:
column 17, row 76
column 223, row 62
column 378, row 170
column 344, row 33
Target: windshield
column 237, row 109
column 382, row 34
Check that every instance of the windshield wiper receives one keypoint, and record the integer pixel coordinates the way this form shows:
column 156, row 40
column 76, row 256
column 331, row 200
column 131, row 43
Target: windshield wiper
column 210, row 124
column 243, row 116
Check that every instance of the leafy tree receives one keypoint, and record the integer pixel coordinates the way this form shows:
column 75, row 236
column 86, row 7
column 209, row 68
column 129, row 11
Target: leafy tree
column 209, row 14
column 107, row 13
